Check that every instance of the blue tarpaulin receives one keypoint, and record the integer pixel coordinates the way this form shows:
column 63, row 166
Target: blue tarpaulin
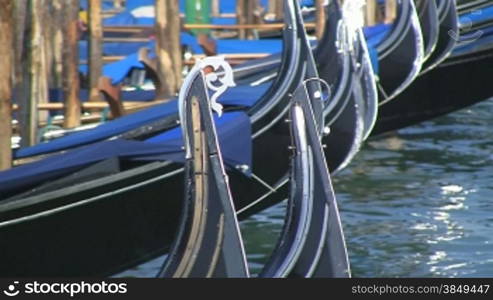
column 57, row 95
column 111, row 48
column 472, row 41
column 226, row 46
column 240, row 95
column 375, row 35
column 233, row 129
column 374, row 59
column 477, row 16
column 117, row 71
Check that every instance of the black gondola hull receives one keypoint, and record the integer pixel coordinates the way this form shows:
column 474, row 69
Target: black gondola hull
column 459, row 82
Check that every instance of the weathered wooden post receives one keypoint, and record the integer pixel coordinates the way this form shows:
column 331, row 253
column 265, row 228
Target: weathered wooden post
column 20, row 93
column 241, row 17
column 275, row 9
column 215, row 8
column 252, row 16
column 95, row 49
column 34, row 76
column 71, row 84
column 279, row 9
column 174, row 42
column 164, row 60
column 6, row 58
column 390, row 11
column 20, row 18
column 49, row 25
column 320, row 18
column 168, row 48
column 371, row 12
column 57, row 42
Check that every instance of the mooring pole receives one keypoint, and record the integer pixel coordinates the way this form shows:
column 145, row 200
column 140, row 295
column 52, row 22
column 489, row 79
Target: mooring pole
column 57, row 42
column 174, row 44
column 20, row 17
column 20, row 88
column 320, row 18
column 241, row 18
column 390, row 11
column 215, row 9
column 34, row 77
column 6, row 58
column 71, row 84
column 371, row 12
column 251, row 17
column 279, row 10
column 47, row 29
column 168, row 48
column 95, row 49
column 164, row 60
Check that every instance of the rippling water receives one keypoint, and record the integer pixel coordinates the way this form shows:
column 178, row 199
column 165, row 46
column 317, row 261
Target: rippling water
column 418, row 203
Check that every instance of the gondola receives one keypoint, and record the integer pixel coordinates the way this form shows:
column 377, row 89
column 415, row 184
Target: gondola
column 447, row 16
column 208, row 242
column 311, row 243
column 344, row 113
column 364, row 86
column 467, row 6
column 106, row 217
column 343, row 130
column 478, row 19
column 401, row 54
column 456, row 83
column 125, row 190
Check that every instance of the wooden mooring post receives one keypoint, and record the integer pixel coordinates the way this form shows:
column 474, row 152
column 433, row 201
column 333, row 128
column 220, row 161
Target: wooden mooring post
column 6, row 59
column 390, row 11
column 279, row 8
column 168, row 49
column 34, row 87
column 56, row 41
column 20, row 20
column 71, row 82
column 215, row 8
column 241, row 17
column 95, row 49
column 252, row 16
column 247, row 12
column 320, row 18
column 371, row 12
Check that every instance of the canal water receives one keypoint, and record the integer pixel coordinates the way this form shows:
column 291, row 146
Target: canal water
column 417, row 203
